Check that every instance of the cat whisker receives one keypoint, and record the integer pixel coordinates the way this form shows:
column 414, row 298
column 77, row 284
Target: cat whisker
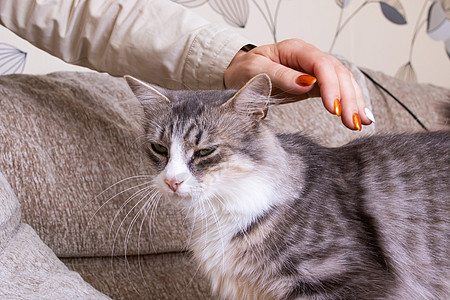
column 121, row 181
column 194, row 221
column 143, row 198
column 128, row 267
column 153, row 123
column 186, row 218
column 198, row 216
column 204, row 223
column 151, row 206
column 219, row 227
column 142, row 210
column 114, row 196
column 121, row 192
column 112, row 264
column 131, row 198
column 205, row 228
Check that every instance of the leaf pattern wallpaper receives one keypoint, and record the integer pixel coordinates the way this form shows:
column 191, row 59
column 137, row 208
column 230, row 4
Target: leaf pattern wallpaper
column 12, row 60
column 433, row 18
column 406, row 38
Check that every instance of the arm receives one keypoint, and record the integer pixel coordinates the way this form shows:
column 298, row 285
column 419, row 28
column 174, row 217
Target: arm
column 164, row 43
column 155, row 40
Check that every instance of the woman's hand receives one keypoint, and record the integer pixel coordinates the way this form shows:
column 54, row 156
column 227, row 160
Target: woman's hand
column 299, row 69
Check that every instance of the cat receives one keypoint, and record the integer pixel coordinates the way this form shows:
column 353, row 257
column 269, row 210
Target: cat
column 277, row 216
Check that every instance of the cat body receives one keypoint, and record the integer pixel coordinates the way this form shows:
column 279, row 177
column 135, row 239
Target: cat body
column 277, row 216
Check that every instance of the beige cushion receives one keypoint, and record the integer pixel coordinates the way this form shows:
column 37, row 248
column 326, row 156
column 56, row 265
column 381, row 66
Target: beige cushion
column 9, row 213
column 28, row 268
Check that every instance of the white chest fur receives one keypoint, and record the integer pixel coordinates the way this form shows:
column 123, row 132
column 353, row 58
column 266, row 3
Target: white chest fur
column 217, row 221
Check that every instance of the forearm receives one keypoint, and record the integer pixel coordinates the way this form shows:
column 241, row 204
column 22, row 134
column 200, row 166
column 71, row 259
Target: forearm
column 157, row 41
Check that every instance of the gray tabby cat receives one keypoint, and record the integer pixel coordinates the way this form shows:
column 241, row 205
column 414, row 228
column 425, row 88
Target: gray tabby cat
column 281, row 217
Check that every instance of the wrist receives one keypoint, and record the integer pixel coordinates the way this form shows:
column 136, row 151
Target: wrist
column 242, row 51
column 229, row 74
column 248, row 48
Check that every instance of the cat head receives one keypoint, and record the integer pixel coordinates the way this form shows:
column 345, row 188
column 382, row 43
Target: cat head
column 205, row 143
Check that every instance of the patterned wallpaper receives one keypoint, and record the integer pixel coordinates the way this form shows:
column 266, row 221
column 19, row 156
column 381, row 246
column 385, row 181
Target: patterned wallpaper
column 12, row 60
column 431, row 19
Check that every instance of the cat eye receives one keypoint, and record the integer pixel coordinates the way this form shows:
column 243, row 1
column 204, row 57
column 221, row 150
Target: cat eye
column 205, row 152
column 160, row 149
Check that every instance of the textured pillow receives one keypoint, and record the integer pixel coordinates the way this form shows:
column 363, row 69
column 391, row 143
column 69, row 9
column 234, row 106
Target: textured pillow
column 28, row 268
column 9, row 213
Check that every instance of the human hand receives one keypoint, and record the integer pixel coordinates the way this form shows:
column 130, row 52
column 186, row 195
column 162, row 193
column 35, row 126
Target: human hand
column 294, row 66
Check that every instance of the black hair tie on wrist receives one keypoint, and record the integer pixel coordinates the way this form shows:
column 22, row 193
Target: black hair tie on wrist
column 248, row 47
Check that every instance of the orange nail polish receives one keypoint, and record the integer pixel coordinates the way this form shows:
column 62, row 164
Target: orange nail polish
column 337, row 107
column 305, row 80
column 357, row 121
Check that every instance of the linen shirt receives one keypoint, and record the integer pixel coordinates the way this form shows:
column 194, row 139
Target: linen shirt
column 157, row 41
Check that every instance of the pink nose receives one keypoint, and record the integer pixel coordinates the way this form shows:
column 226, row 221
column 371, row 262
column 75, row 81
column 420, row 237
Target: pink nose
column 173, row 183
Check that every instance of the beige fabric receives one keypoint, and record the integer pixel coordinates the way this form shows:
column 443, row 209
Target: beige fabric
column 148, row 277
column 128, row 37
column 28, row 268
column 9, row 212
column 426, row 101
column 66, row 137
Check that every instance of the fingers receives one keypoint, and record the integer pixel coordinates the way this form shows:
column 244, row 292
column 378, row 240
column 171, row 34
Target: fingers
column 329, row 85
column 298, row 68
column 352, row 101
column 366, row 115
column 285, row 79
column 339, row 90
column 348, row 101
column 283, row 74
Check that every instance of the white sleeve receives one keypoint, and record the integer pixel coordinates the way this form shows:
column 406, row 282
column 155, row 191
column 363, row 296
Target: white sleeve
column 155, row 40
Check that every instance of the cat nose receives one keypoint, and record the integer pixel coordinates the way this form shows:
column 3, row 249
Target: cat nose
column 173, row 183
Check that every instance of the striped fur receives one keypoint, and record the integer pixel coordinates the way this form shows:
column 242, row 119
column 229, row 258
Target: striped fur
column 281, row 217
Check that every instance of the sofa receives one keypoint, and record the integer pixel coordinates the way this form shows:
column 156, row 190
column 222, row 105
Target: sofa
column 72, row 225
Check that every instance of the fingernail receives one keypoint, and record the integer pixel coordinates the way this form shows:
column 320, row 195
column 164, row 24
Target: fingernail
column 337, row 107
column 357, row 121
column 369, row 115
column 305, row 80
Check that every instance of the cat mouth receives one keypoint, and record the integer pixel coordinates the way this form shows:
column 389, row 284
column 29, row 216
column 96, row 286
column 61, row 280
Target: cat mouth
column 182, row 194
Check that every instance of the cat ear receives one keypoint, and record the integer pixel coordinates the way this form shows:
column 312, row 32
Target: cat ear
column 145, row 93
column 254, row 98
